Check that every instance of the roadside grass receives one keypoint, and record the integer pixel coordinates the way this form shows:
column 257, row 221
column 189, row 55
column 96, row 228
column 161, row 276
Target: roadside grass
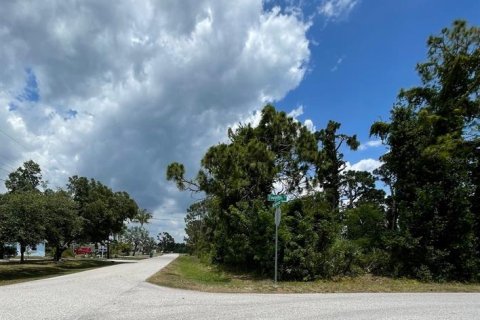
column 15, row 272
column 187, row 272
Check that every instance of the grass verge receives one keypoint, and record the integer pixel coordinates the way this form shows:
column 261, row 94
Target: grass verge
column 15, row 272
column 190, row 273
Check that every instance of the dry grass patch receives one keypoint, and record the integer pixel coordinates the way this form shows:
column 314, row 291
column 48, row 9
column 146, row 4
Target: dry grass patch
column 190, row 273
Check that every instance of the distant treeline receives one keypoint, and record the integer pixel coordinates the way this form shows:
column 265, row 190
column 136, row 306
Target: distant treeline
column 427, row 224
column 86, row 211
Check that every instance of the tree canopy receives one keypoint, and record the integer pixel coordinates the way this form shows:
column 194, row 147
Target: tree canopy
column 424, row 223
column 88, row 211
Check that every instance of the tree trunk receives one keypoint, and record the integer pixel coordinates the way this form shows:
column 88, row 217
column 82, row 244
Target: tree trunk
column 394, row 209
column 134, row 249
column 58, row 253
column 22, row 252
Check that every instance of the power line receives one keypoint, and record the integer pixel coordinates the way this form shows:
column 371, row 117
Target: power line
column 13, row 139
column 4, row 169
column 24, row 147
column 6, row 163
column 7, row 167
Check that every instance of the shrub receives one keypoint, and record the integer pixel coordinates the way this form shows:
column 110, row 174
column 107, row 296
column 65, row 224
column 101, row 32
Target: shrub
column 68, row 254
column 343, row 259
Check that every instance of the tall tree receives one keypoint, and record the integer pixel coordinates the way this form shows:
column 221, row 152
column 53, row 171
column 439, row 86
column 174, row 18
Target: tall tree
column 5, row 232
column 384, row 174
column 25, row 178
column 197, row 227
column 142, row 217
column 24, row 203
column 330, row 161
column 24, row 214
column 136, row 236
column 238, row 176
column 432, row 159
column 359, row 187
column 63, row 224
column 103, row 211
column 166, row 242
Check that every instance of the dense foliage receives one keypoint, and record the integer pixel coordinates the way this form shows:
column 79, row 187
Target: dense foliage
column 87, row 211
column 433, row 161
column 426, row 224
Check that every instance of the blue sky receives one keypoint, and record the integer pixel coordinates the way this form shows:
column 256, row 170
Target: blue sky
column 118, row 90
column 379, row 44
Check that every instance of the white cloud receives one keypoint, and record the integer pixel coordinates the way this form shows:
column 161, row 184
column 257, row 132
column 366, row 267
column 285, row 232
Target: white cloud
column 370, row 144
column 364, row 165
column 337, row 9
column 255, row 117
column 337, row 64
column 310, row 126
column 297, row 112
column 126, row 88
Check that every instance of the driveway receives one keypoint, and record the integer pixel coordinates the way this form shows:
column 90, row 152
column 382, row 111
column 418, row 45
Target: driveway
column 119, row 292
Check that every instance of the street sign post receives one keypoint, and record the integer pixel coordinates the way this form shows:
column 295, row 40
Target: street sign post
column 277, row 200
column 278, row 215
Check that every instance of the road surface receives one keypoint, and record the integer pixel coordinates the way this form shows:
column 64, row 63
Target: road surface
column 120, row 292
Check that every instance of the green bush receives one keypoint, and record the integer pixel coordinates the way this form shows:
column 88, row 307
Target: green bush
column 376, row 261
column 68, row 254
column 120, row 248
column 343, row 259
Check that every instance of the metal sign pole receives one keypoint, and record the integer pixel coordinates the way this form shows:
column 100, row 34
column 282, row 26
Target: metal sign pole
column 277, row 200
column 278, row 214
column 276, row 252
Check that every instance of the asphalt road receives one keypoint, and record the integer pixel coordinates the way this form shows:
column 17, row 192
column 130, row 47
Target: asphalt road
column 119, row 292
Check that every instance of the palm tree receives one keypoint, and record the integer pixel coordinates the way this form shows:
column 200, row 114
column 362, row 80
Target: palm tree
column 142, row 217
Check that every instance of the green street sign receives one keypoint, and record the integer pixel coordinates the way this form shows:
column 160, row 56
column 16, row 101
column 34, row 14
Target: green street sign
column 277, row 197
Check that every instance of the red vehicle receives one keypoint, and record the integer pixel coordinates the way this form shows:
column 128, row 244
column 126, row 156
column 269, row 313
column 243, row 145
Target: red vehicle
column 83, row 250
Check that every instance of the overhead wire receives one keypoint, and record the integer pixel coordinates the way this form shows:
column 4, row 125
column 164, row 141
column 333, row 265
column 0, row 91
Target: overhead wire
column 4, row 169
column 23, row 146
column 43, row 157
column 5, row 164
column 13, row 139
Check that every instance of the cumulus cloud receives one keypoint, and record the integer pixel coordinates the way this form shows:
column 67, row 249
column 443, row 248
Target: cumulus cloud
column 364, row 165
column 125, row 88
column 337, row 9
column 370, row 144
column 310, row 126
